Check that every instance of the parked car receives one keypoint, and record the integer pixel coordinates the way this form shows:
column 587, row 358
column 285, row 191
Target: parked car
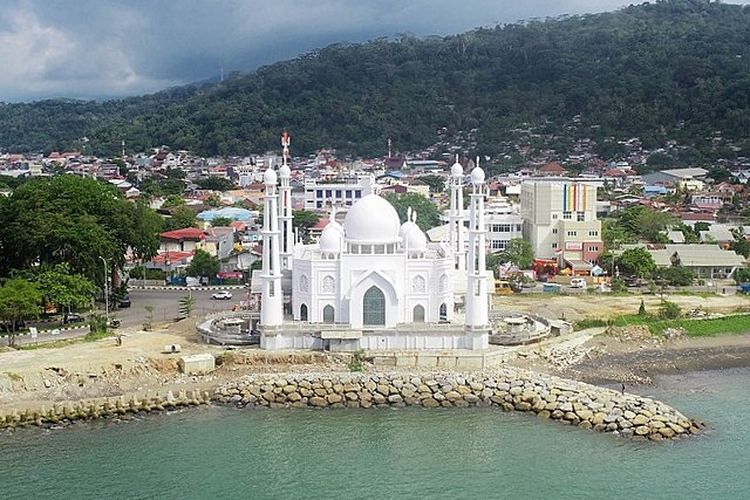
column 222, row 295
column 577, row 283
column 73, row 318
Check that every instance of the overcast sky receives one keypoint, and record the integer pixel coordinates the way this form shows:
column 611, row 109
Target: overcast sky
column 105, row 48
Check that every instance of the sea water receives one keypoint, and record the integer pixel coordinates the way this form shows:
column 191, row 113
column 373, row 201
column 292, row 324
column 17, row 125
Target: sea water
column 388, row 453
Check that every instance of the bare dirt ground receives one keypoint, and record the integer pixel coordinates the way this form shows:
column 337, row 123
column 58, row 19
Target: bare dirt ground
column 91, row 370
column 594, row 305
column 630, row 355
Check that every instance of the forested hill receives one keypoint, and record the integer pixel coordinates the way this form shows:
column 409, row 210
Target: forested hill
column 674, row 69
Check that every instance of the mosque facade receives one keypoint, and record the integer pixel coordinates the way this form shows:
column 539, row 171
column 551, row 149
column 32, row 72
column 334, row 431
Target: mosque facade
column 373, row 282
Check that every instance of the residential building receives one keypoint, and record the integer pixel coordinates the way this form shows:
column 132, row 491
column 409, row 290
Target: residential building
column 690, row 178
column 219, row 242
column 706, row 261
column 320, row 196
column 181, row 240
column 559, row 220
column 504, row 223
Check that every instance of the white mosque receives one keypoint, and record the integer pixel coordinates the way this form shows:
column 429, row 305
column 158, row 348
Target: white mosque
column 373, row 282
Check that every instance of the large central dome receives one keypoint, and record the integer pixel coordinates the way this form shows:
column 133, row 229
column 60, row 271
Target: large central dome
column 372, row 220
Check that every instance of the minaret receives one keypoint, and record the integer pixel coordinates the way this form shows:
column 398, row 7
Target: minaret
column 477, row 321
column 285, row 208
column 271, row 312
column 456, row 231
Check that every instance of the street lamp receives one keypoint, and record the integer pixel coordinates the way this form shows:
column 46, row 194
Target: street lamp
column 106, row 290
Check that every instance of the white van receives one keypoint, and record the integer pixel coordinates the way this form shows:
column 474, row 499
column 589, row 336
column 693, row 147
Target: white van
column 577, row 283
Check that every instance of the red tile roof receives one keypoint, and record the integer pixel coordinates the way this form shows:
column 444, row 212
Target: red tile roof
column 553, row 168
column 172, row 257
column 189, row 233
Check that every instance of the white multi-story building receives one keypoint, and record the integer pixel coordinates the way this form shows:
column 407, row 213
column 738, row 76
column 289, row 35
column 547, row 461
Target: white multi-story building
column 320, row 196
column 503, row 222
column 559, row 220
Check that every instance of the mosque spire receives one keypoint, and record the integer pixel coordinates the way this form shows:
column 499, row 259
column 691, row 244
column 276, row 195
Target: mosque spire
column 456, row 218
column 477, row 305
column 285, row 206
column 271, row 313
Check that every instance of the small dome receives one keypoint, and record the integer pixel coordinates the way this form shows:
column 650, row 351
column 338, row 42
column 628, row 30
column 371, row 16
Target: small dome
column 372, row 220
column 413, row 237
column 269, row 177
column 477, row 175
column 457, row 170
column 285, row 171
column 335, row 226
column 331, row 238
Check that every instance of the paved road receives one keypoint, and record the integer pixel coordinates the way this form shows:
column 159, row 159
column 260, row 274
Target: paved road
column 166, row 304
column 166, row 308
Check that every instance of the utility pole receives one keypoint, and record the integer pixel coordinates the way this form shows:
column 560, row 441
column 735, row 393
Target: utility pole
column 106, row 291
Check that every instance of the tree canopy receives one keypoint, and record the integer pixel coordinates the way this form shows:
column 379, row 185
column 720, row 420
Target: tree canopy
column 65, row 290
column 203, row 265
column 74, row 220
column 428, row 215
column 518, row 252
column 636, row 262
column 19, row 301
column 677, row 69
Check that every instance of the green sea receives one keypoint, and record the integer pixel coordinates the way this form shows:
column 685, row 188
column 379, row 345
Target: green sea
column 387, row 453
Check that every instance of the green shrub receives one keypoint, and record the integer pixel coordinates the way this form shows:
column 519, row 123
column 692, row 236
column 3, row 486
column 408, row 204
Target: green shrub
column 618, row 285
column 669, row 310
column 355, row 364
column 151, row 274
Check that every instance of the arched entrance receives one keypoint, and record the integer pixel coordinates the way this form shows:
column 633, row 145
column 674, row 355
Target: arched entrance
column 443, row 312
column 373, row 307
column 328, row 314
column 303, row 312
column 418, row 314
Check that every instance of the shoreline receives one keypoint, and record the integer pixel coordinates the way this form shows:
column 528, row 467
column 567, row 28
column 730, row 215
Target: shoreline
column 547, row 397
column 82, row 379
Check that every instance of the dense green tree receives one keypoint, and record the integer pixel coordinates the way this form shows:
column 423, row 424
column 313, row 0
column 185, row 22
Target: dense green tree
column 173, row 200
column 676, row 275
column 741, row 275
column 180, row 218
column 215, row 183
column 19, row 301
column 428, row 215
column 640, row 223
column 203, row 265
column 65, row 290
column 636, row 262
column 436, row 183
column 519, row 252
column 69, row 219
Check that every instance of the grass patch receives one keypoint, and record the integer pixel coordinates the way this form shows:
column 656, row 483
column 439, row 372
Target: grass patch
column 735, row 324
column 97, row 335
column 712, row 327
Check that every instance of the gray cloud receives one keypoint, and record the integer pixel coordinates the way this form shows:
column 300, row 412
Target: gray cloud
column 103, row 48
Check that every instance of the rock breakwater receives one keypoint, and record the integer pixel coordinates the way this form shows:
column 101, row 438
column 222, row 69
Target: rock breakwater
column 565, row 401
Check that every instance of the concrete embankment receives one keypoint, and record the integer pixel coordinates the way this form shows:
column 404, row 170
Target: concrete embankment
column 565, row 401
column 68, row 412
